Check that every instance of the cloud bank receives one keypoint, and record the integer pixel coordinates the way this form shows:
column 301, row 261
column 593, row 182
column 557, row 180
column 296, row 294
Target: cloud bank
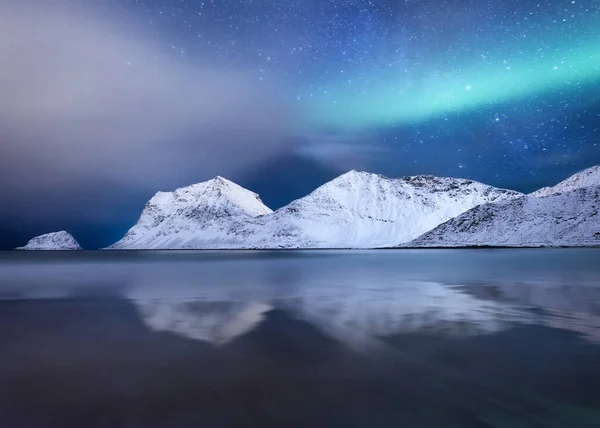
column 87, row 102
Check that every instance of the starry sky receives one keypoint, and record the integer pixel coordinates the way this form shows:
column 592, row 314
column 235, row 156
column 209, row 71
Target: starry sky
column 506, row 92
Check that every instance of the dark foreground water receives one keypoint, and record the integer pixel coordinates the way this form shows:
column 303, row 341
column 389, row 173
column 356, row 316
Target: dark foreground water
column 454, row 338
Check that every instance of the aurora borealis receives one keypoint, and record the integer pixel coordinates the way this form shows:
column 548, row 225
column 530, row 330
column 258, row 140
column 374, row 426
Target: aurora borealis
column 403, row 101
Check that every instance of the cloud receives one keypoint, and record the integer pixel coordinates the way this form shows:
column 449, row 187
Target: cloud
column 343, row 151
column 88, row 102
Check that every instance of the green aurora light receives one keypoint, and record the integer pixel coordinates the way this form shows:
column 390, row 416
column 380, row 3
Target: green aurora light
column 404, row 101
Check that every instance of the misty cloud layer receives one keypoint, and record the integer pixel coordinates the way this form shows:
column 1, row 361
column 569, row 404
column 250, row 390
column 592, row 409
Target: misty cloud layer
column 92, row 103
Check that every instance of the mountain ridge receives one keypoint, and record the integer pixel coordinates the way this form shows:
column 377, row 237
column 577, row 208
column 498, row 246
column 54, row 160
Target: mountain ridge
column 568, row 219
column 588, row 177
column 359, row 209
column 355, row 210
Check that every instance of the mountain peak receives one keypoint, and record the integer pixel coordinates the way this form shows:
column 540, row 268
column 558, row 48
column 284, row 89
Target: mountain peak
column 355, row 175
column 215, row 193
column 193, row 215
column 221, row 181
column 362, row 209
column 587, row 178
column 354, row 172
column 217, row 182
column 563, row 218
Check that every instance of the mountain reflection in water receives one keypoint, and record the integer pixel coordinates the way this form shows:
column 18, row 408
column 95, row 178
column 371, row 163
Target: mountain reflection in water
column 349, row 340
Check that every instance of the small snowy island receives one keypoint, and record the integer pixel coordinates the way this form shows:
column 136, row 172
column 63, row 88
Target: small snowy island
column 55, row 241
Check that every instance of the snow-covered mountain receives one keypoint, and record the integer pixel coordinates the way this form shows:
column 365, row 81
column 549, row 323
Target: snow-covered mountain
column 52, row 241
column 355, row 210
column 571, row 218
column 587, row 178
column 363, row 210
column 204, row 215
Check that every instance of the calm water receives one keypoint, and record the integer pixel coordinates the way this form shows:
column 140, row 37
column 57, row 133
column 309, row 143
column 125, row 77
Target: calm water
column 423, row 338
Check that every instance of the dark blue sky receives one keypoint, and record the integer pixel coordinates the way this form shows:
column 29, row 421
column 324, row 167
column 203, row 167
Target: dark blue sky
column 281, row 96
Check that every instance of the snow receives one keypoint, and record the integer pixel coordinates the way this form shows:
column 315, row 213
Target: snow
column 364, row 210
column 560, row 219
column 355, row 210
column 52, row 241
column 203, row 215
column 587, row 178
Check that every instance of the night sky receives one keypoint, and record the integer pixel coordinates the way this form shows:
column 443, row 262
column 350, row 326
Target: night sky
column 280, row 96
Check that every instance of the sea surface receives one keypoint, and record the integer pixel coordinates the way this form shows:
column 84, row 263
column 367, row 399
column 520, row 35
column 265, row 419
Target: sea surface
column 393, row 338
